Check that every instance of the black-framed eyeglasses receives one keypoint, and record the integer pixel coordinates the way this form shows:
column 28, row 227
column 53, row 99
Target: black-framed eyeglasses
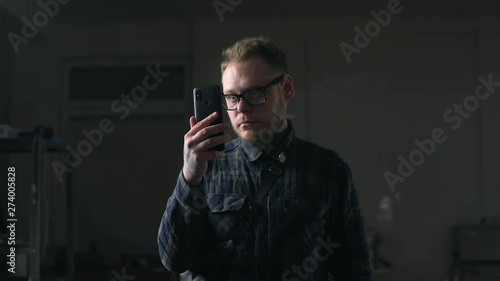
column 256, row 96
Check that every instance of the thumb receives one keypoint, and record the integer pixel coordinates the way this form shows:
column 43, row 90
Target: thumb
column 192, row 121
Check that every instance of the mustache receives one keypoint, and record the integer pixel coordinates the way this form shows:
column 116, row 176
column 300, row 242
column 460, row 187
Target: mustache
column 246, row 120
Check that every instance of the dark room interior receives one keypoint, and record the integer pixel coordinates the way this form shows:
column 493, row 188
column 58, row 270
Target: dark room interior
column 96, row 97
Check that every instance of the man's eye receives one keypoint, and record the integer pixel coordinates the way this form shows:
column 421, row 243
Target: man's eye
column 254, row 94
column 232, row 99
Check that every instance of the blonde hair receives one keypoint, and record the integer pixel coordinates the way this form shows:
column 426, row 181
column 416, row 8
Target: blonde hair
column 255, row 46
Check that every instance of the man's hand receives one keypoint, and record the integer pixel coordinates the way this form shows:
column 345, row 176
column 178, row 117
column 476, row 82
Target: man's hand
column 197, row 141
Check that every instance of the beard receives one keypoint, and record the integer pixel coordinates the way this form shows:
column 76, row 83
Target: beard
column 271, row 128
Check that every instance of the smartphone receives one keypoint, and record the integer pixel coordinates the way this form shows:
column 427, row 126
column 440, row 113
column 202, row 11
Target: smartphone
column 208, row 100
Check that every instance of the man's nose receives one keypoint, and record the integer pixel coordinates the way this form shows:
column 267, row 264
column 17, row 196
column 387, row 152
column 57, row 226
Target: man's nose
column 244, row 107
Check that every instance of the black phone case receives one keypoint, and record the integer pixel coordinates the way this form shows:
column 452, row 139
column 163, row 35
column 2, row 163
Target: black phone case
column 206, row 101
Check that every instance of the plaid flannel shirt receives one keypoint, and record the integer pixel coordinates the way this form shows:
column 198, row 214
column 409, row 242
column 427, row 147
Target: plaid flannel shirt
column 310, row 224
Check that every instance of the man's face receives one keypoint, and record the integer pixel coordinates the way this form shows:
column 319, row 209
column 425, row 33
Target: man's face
column 247, row 120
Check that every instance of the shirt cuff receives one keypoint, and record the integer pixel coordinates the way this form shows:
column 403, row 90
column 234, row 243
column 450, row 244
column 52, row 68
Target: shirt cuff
column 191, row 198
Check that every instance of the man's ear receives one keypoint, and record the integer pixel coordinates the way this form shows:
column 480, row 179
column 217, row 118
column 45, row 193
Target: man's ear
column 288, row 88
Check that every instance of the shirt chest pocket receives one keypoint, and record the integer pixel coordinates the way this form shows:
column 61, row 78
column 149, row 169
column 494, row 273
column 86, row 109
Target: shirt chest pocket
column 224, row 212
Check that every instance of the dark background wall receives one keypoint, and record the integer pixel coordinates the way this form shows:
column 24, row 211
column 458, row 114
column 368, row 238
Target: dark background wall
column 370, row 110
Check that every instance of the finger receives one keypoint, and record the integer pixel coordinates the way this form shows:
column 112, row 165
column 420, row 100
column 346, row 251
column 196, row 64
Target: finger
column 206, row 156
column 208, row 143
column 208, row 132
column 204, row 123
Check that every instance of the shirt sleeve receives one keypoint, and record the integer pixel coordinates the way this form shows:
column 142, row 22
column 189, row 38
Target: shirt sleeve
column 182, row 226
column 351, row 261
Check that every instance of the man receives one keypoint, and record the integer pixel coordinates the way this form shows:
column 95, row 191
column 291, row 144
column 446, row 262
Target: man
column 308, row 224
